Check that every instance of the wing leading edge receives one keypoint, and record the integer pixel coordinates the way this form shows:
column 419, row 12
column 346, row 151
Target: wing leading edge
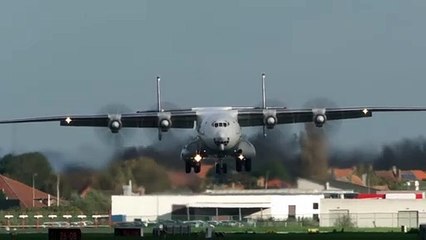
column 186, row 118
column 148, row 119
column 259, row 116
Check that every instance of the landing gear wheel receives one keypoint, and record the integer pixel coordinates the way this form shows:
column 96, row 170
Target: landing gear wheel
column 224, row 168
column 218, row 169
column 187, row 167
column 238, row 165
column 247, row 164
column 197, row 168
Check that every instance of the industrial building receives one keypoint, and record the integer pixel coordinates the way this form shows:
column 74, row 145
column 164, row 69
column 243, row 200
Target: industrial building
column 325, row 203
column 395, row 212
column 222, row 205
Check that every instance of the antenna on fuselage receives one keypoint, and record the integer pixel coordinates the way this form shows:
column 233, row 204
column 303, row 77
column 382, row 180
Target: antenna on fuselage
column 158, row 95
column 264, row 100
column 263, row 92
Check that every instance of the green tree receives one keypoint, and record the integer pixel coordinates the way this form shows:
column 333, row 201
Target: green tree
column 142, row 171
column 94, row 202
column 28, row 165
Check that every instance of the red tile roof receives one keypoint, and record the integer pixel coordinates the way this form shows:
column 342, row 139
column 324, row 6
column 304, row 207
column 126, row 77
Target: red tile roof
column 347, row 175
column 24, row 193
column 389, row 175
column 278, row 183
column 420, row 175
column 342, row 172
column 356, row 180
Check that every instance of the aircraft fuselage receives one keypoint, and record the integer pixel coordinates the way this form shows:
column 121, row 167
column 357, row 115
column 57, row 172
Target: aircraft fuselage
column 219, row 131
column 218, row 136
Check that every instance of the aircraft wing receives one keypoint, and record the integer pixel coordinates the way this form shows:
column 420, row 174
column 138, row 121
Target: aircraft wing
column 258, row 116
column 143, row 119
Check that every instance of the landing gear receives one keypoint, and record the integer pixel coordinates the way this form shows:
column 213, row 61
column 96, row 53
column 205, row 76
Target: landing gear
column 189, row 165
column 197, row 167
column 247, row 164
column 221, row 168
column 239, row 163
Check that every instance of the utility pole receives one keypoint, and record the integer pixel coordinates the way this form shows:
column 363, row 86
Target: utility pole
column 57, row 190
column 34, row 175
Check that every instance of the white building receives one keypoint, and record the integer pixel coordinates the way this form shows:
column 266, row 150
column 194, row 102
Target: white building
column 278, row 204
column 374, row 212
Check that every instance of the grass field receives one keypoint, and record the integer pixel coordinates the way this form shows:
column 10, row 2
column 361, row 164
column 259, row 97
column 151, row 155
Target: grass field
column 245, row 236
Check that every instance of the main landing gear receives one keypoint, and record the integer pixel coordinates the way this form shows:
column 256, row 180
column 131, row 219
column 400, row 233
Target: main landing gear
column 242, row 162
column 192, row 164
column 221, row 167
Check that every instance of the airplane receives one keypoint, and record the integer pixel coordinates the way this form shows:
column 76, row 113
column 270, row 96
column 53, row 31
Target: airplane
column 218, row 129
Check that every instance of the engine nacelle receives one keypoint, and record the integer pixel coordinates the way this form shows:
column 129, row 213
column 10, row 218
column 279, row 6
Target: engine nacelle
column 164, row 124
column 269, row 118
column 114, row 123
column 164, row 121
column 270, row 122
column 319, row 120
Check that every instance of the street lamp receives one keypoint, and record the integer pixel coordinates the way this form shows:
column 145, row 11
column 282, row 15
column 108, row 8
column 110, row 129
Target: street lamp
column 34, row 175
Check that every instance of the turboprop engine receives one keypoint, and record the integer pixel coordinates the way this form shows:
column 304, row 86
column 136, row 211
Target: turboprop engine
column 114, row 123
column 319, row 118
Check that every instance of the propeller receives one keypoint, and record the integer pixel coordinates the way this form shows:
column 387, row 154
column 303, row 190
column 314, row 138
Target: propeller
column 114, row 135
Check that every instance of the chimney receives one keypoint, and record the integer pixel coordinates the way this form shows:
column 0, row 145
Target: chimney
column 127, row 189
column 395, row 172
column 364, row 179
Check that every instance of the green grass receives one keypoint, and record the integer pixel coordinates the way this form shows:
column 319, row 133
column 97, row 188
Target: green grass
column 292, row 236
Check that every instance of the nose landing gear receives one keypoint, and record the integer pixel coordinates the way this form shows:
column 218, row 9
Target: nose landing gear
column 221, row 167
column 241, row 161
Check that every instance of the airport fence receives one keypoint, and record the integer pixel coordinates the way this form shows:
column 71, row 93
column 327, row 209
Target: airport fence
column 338, row 220
column 53, row 220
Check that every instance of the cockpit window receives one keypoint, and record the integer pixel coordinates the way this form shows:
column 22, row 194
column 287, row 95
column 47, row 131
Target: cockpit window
column 220, row 124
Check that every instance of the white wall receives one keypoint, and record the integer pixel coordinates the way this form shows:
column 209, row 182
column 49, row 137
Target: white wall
column 371, row 212
column 304, row 205
column 148, row 207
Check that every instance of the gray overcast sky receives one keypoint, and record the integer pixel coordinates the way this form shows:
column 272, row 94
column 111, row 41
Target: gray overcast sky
column 60, row 57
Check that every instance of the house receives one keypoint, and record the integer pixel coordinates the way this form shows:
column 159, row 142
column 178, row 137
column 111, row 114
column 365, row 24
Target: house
column 346, row 175
column 16, row 190
column 393, row 175
column 413, row 175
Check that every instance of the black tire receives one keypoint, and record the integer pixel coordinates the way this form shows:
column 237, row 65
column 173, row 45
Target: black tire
column 247, row 164
column 187, row 167
column 224, row 168
column 238, row 165
column 197, row 168
column 218, row 169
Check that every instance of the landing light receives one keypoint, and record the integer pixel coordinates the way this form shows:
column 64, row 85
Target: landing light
column 198, row 157
column 68, row 120
column 365, row 111
column 241, row 157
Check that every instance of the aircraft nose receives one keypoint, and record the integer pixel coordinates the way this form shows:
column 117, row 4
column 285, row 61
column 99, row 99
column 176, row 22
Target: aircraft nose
column 221, row 140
